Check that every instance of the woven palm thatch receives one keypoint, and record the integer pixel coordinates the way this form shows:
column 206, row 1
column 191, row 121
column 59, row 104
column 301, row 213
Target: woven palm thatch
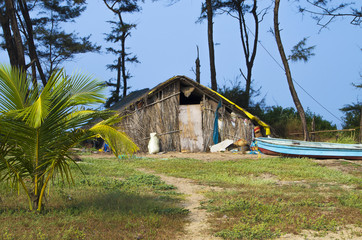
column 169, row 110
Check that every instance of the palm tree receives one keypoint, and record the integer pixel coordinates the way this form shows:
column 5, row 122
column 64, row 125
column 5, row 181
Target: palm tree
column 39, row 126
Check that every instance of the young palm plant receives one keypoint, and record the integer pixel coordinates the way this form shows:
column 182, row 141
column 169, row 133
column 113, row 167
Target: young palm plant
column 39, row 126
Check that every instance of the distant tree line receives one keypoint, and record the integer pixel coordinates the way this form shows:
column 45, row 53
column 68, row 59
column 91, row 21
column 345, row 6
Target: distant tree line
column 283, row 120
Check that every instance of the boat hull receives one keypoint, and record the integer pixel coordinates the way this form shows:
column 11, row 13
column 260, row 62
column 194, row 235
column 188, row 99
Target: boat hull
column 294, row 148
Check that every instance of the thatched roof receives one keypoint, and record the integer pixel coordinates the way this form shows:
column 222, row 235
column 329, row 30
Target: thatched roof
column 185, row 81
column 130, row 99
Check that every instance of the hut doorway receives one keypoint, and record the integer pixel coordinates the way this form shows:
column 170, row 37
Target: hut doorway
column 190, row 122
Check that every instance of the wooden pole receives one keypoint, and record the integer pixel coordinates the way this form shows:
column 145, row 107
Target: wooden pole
column 327, row 131
column 313, row 130
column 197, row 62
column 360, row 128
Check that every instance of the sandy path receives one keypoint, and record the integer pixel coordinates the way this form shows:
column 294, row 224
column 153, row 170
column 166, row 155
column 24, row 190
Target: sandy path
column 197, row 227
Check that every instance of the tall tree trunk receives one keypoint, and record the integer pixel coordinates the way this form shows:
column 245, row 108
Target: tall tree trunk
column 33, row 75
column 297, row 103
column 211, row 44
column 123, row 62
column 249, row 54
column 9, row 40
column 30, row 39
column 17, row 40
column 118, row 85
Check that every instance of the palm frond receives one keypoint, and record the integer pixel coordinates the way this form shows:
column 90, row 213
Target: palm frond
column 14, row 86
column 86, row 90
column 39, row 126
column 118, row 141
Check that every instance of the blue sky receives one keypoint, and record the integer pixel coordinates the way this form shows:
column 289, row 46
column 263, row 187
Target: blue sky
column 165, row 42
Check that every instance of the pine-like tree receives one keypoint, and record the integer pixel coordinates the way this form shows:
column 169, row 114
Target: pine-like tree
column 326, row 11
column 239, row 9
column 54, row 45
column 119, row 34
column 39, row 42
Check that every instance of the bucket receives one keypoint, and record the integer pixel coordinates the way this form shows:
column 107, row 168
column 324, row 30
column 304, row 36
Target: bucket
column 257, row 132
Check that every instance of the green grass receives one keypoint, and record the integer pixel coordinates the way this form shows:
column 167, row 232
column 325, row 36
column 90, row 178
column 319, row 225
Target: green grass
column 262, row 199
column 347, row 140
column 271, row 197
column 110, row 201
column 248, row 171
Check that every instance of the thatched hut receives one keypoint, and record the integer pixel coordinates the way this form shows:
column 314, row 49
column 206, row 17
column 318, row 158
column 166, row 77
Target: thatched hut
column 182, row 113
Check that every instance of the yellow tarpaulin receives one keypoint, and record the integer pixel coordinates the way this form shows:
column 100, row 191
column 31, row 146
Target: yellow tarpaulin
column 249, row 115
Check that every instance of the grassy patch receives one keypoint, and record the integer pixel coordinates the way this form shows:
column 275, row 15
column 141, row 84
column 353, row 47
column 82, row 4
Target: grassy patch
column 260, row 215
column 270, row 197
column 351, row 199
column 246, row 231
column 262, row 199
column 248, row 171
column 110, row 201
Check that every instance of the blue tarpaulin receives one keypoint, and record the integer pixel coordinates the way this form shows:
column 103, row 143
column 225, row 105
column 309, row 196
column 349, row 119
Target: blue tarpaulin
column 215, row 135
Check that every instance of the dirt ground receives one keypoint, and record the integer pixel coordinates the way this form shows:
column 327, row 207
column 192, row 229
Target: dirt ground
column 198, row 227
column 220, row 156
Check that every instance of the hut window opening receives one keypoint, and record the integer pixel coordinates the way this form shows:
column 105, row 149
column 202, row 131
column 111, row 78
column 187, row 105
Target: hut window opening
column 189, row 96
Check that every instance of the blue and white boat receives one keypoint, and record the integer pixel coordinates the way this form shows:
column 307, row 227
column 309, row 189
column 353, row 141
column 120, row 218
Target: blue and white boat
column 320, row 150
